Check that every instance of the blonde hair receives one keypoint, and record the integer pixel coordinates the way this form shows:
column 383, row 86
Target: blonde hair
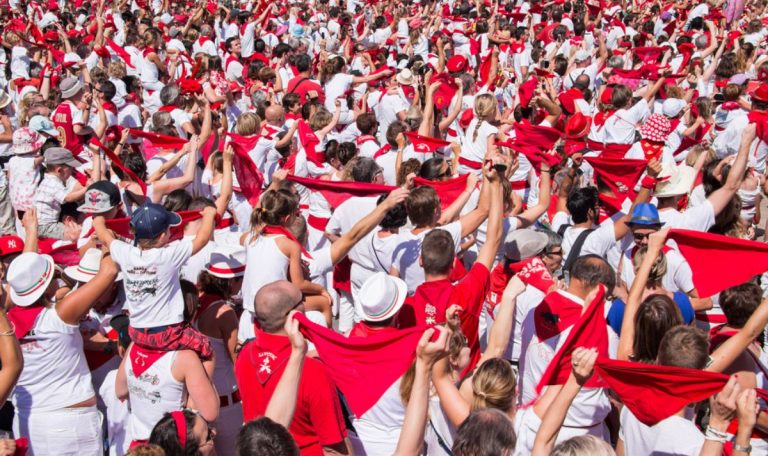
column 321, row 119
column 116, row 70
column 248, row 124
column 24, row 105
column 659, row 268
column 485, row 107
column 493, row 386
column 11, row 38
column 695, row 153
column 583, row 445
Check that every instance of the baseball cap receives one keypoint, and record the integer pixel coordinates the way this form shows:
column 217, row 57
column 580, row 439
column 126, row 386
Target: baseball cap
column 60, row 156
column 10, row 245
column 42, row 124
column 151, row 220
column 672, row 107
column 100, row 197
column 523, row 244
column 70, row 87
column 582, row 55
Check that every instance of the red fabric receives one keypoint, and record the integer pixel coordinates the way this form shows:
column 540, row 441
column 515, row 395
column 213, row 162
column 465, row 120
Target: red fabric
column 22, row 446
column 271, row 229
column 350, row 359
column 445, row 92
column 341, row 275
column 590, row 331
column 301, row 86
column 336, row 192
column 448, row 191
column 719, row 262
column 176, row 337
column 620, row 175
column 425, row 144
column 23, row 319
column 536, row 135
column 309, row 142
column 119, row 51
column 526, row 90
column 62, row 120
column 248, row 175
column 119, row 163
column 671, row 388
column 143, row 358
column 318, row 420
column 555, row 314
column 158, row 140
column 122, row 226
column 533, row 153
column 533, row 272
column 760, row 118
column 484, row 71
column 649, row 54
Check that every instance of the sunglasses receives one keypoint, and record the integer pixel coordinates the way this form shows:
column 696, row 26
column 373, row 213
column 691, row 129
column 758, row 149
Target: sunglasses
column 641, row 236
column 295, row 306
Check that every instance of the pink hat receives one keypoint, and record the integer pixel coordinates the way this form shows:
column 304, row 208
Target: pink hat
column 656, row 128
column 415, row 23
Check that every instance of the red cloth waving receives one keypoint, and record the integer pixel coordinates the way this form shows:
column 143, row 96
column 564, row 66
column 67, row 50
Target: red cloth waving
column 719, row 262
column 336, row 192
column 533, row 272
column 590, row 331
column 119, row 163
column 620, row 175
column 425, row 144
column 309, row 142
column 122, row 226
column 448, row 190
column 248, row 175
column 363, row 367
column 23, row 319
column 158, row 140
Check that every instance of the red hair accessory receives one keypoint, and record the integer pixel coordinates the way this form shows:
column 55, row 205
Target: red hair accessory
column 181, row 427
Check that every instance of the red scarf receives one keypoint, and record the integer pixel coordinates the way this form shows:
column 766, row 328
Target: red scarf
column 448, row 191
column 308, row 140
column 167, row 108
column 272, row 229
column 249, row 176
column 533, row 272
column 651, row 149
column 119, row 163
column 761, row 119
column 158, row 140
column 272, row 352
column 23, row 319
column 364, row 139
column 555, row 314
column 425, row 144
column 143, row 358
column 719, row 262
column 619, row 175
column 148, row 50
column 590, row 331
column 384, row 149
column 336, row 192
column 393, row 352
column 120, row 52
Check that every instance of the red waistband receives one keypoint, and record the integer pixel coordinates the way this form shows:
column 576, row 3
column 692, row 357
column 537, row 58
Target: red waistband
column 470, row 163
column 520, row 185
column 318, row 223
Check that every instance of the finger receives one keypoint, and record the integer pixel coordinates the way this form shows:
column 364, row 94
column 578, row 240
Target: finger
column 424, row 340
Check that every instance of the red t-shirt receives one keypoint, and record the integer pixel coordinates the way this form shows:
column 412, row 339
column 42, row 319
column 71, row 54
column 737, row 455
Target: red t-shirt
column 428, row 304
column 318, row 420
column 304, row 86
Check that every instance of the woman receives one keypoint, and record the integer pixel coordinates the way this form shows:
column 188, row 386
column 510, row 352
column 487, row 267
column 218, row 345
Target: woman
column 338, row 82
column 183, row 433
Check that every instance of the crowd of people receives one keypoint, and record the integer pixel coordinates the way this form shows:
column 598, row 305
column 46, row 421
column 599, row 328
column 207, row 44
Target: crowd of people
column 409, row 227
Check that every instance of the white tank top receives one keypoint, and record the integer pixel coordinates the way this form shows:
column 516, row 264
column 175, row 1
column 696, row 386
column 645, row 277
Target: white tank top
column 153, row 394
column 149, row 73
column 55, row 373
column 265, row 263
column 224, row 371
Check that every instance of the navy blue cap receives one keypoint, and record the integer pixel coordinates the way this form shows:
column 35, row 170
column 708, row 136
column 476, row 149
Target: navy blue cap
column 151, row 220
column 645, row 214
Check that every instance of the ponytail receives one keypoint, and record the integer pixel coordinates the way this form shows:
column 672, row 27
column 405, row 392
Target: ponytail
column 275, row 206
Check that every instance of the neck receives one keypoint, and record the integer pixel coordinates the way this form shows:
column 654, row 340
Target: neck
column 577, row 290
column 666, row 203
column 435, row 277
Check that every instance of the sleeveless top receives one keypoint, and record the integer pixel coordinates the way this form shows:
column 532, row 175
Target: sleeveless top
column 224, row 371
column 265, row 263
column 152, row 394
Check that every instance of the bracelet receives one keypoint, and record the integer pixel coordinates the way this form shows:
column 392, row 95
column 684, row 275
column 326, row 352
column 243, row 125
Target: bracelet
column 10, row 332
column 744, row 449
column 713, row 434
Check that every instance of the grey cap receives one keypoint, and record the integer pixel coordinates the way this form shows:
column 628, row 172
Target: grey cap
column 520, row 245
column 70, row 87
column 60, row 156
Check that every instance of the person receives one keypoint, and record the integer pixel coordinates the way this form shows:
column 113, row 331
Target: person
column 183, row 432
column 57, row 188
column 317, row 423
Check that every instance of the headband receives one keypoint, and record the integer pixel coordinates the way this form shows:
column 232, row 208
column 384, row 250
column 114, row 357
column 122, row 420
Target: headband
column 181, row 427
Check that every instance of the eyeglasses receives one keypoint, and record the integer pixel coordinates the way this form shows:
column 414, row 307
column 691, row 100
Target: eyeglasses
column 641, row 236
column 295, row 306
column 554, row 253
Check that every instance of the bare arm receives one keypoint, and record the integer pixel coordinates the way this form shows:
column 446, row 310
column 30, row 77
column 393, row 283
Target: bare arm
column 501, row 330
column 76, row 304
column 206, row 230
column 282, row 404
column 721, row 197
column 10, row 357
column 188, row 368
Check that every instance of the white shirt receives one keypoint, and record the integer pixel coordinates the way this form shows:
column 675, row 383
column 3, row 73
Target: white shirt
column 598, row 242
column 406, row 255
column 387, row 110
column 698, row 218
column 151, row 281
column 621, row 126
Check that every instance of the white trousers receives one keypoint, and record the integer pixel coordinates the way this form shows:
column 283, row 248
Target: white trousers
column 70, row 431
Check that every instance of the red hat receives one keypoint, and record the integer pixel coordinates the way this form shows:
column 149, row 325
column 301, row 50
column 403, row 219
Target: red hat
column 466, row 117
column 457, row 63
column 605, row 97
column 761, row 94
column 577, row 126
column 191, row 86
column 568, row 99
column 656, row 128
column 10, row 245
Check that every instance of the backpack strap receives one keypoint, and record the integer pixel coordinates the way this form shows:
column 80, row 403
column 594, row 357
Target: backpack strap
column 576, row 249
column 561, row 230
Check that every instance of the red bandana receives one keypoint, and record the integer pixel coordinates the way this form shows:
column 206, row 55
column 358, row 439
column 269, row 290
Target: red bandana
column 23, row 319
column 336, row 192
column 143, row 358
column 448, row 191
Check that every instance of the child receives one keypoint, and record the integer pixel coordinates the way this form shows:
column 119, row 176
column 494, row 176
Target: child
column 151, row 278
column 55, row 190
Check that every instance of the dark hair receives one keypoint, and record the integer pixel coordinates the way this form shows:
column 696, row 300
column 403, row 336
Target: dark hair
column 291, row 99
column 177, row 200
column 684, row 346
column 365, row 169
column 655, row 316
column 432, row 169
column 303, row 62
column 134, row 162
column 580, row 201
column 423, row 206
column 739, row 303
column 394, row 129
column 485, row 432
column 108, row 89
column 593, row 270
column 275, row 206
column 395, row 218
column 366, row 123
column 164, row 435
column 264, row 437
column 437, row 252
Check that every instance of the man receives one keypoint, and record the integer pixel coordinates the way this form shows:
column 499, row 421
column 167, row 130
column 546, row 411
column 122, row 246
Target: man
column 232, row 66
column 318, row 425
column 393, row 104
column 170, row 97
column 725, row 143
column 301, row 84
column 71, row 116
column 548, row 330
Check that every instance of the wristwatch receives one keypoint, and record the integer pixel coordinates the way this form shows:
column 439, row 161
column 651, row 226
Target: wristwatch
column 744, row 449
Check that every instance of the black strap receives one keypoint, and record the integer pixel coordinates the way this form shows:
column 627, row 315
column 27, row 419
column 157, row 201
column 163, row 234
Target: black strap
column 440, row 440
column 375, row 254
column 298, row 84
column 561, row 230
column 576, row 249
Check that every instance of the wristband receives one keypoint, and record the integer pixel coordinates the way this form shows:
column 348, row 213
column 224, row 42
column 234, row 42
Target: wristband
column 649, row 182
column 715, row 435
column 744, row 449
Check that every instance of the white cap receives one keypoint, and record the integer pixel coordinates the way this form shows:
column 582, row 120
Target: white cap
column 381, row 297
column 672, row 107
column 582, row 55
column 166, row 18
column 48, row 19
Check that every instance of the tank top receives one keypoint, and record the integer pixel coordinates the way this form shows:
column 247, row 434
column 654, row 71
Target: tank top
column 265, row 263
column 224, row 371
column 152, row 394
column 149, row 72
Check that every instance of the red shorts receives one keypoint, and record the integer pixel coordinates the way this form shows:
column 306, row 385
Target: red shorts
column 175, row 337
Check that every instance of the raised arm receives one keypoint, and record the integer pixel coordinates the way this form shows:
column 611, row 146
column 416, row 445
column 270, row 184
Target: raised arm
column 76, row 304
column 721, row 197
column 222, row 202
column 487, row 254
column 205, row 232
column 282, row 404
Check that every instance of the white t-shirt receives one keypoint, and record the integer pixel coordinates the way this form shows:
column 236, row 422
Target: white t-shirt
column 621, row 126
column 698, row 218
column 475, row 147
column 386, row 111
column 151, row 281
column 116, row 416
column 677, row 436
column 406, row 255
column 598, row 242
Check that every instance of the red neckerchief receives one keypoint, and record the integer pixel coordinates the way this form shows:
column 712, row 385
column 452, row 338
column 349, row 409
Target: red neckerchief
column 361, row 329
column 269, row 353
column 272, row 229
column 384, row 149
column 202, row 40
column 167, row 108
column 148, row 50
column 730, row 106
column 555, row 314
column 430, row 301
column 500, row 276
column 109, row 106
column 673, row 123
column 142, row 359
column 205, row 301
column 601, row 117
column 364, row 139
column 651, row 149
column 292, row 116
column 23, row 319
